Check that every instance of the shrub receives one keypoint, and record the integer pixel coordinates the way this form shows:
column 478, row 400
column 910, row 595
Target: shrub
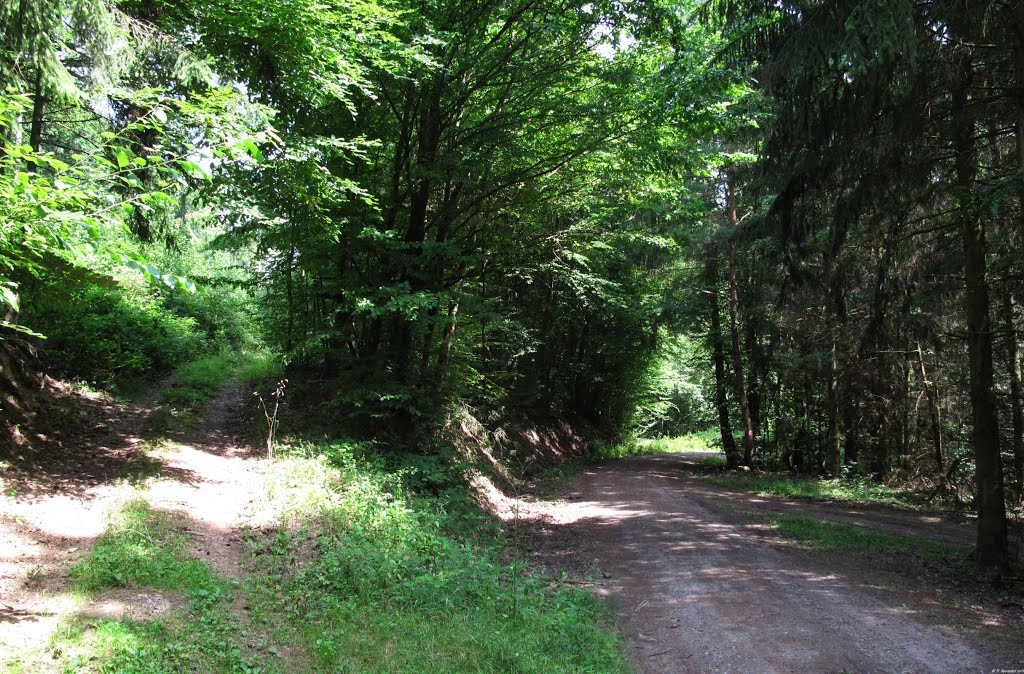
column 110, row 336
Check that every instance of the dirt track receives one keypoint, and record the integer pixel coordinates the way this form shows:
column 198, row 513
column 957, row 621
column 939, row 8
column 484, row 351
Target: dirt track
column 50, row 516
column 703, row 588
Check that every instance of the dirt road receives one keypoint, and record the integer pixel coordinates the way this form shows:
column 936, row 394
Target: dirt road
column 703, row 588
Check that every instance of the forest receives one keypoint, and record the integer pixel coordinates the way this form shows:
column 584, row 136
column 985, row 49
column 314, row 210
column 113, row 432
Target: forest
column 436, row 234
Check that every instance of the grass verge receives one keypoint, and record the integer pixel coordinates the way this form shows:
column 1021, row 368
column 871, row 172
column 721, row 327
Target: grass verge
column 797, row 486
column 371, row 577
column 839, row 536
column 939, row 565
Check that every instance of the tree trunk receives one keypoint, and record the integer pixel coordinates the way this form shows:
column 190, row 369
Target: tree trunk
column 933, row 412
column 992, row 536
column 1018, row 76
column 36, row 130
column 289, row 289
column 851, row 438
column 448, row 338
column 737, row 356
column 1016, row 413
column 429, row 142
column 732, row 456
column 1015, row 373
column 833, row 460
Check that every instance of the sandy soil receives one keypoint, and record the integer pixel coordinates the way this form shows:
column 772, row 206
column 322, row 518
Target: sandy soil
column 216, row 483
column 703, row 587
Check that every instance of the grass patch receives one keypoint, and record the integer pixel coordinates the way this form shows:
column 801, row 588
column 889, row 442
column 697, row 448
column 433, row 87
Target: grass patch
column 147, row 548
column 850, row 537
column 705, row 442
column 140, row 468
column 142, row 547
column 787, row 484
column 373, row 577
column 207, row 639
column 197, row 381
column 189, row 390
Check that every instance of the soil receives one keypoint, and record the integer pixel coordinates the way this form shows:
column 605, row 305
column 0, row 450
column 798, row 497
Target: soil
column 701, row 584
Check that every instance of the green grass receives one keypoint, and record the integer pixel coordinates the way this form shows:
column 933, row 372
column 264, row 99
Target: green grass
column 371, row 577
column 364, row 574
column 142, row 547
column 188, row 391
column 705, row 442
column 787, row 484
column 195, row 382
column 837, row 536
column 147, row 548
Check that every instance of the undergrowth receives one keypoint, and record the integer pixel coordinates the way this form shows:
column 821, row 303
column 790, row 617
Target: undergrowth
column 372, row 576
column 705, row 442
column 943, row 564
column 374, row 567
column 851, row 537
column 853, row 490
column 190, row 388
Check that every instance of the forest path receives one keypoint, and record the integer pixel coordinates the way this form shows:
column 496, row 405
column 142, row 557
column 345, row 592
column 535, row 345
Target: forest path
column 52, row 511
column 215, row 478
column 703, row 587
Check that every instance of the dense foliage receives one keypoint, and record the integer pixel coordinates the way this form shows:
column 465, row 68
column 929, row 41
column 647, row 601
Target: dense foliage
column 874, row 262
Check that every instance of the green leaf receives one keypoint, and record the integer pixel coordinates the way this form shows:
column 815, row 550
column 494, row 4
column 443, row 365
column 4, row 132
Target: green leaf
column 186, row 284
column 9, row 296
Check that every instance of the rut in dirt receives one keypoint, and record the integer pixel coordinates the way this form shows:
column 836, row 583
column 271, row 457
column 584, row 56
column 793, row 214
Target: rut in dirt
column 701, row 588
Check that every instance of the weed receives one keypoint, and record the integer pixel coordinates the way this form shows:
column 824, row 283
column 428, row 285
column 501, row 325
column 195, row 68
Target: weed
column 705, row 442
column 36, row 574
column 377, row 578
column 272, row 421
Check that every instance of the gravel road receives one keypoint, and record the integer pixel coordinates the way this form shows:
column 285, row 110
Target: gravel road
column 701, row 588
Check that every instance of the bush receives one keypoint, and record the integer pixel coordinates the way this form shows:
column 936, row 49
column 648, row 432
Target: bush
column 113, row 335
column 224, row 316
column 110, row 336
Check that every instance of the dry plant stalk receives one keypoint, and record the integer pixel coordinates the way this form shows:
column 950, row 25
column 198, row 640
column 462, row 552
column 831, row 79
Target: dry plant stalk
column 271, row 417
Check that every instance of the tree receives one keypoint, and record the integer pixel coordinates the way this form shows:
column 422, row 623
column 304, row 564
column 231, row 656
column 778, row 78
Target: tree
column 872, row 162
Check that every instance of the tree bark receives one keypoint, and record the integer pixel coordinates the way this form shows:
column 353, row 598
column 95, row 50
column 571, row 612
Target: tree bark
column 1018, row 76
column 851, row 438
column 992, row 535
column 933, row 412
column 36, row 130
column 1016, row 413
column 732, row 455
column 737, row 355
column 833, row 462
